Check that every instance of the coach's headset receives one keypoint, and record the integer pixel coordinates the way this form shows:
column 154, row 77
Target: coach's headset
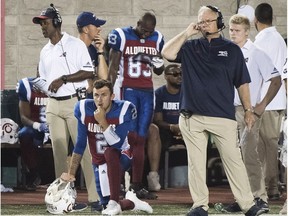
column 56, row 20
column 220, row 20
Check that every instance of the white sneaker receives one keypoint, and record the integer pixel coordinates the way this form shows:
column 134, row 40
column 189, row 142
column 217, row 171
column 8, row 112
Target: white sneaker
column 139, row 204
column 113, row 208
column 153, row 181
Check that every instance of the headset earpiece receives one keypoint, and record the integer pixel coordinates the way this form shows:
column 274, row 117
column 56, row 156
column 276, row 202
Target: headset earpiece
column 57, row 20
column 220, row 20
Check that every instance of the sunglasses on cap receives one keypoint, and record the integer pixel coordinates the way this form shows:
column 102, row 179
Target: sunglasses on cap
column 175, row 74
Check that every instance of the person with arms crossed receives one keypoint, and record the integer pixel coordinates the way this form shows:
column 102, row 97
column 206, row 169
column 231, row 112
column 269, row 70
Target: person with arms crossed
column 89, row 29
column 106, row 123
column 211, row 67
column 35, row 131
column 274, row 46
column 135, row 55
column 261, row 70
column 65, row 65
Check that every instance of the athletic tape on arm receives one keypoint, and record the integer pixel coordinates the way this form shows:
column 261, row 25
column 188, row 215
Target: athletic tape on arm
column 110, row 136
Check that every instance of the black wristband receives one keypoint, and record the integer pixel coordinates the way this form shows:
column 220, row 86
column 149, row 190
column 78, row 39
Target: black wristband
column 100, row 53
column 64, row 79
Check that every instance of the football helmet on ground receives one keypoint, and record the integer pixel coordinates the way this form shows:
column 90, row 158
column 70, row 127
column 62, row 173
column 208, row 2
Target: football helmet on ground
column 60, row 197
column 9, row 131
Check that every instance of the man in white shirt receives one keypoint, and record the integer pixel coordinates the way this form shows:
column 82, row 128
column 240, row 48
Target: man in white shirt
column 66, row 65
column 274, row 46
column 261, row 69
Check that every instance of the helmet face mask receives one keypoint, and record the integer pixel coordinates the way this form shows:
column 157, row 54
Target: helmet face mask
column 60, row 197
column 9, row 131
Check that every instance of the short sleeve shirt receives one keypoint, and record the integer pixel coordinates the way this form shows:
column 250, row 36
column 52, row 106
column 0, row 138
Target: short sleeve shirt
column 167, row 104
column 261, row 70
column 36, row 99
column 272, row 43
column 68, row 56
column 121, row 118
column 135, row 73
column 210, row 71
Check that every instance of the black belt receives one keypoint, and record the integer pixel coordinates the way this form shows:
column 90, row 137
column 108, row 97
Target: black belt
column 186, row 113
column 64, row 97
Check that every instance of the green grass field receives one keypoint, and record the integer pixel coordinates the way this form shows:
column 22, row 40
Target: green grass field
column 158, row 210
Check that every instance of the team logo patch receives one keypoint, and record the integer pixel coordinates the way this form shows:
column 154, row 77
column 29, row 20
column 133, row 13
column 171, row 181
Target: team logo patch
column 275, row 70
column 88, row 65
column 128, row 153
column 7, row 127
column 223, row 53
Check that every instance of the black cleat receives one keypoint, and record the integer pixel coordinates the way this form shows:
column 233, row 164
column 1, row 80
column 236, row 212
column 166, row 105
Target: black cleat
column 96, row 206
column 234, row 207
column 79, row 207
column 262, row 204
column 199, row 211
column 142, row 193
column 254, row 211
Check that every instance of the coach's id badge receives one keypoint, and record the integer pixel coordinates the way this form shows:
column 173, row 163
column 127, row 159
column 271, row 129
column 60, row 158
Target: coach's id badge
column 104, row 181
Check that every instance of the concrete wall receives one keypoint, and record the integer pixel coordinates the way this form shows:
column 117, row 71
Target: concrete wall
column 24, row 40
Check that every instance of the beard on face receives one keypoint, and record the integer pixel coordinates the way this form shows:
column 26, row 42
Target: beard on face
column 176, row 85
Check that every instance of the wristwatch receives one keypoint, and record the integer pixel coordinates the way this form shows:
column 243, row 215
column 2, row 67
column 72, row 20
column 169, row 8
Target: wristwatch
column 249, row 110
column 64, row 79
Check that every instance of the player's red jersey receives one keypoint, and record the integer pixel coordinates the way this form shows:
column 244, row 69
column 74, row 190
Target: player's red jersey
column 36, row 99
column 135, row 68
column 121, row 118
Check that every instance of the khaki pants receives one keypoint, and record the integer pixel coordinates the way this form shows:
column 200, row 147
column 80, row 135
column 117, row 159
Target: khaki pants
column 195, row 131
column 268, row 148
column 63, row 124
column 250, row 155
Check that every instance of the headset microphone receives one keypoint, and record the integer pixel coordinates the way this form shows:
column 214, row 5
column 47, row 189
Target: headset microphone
column 219, row 20
column 57, row 20
column 211, row 33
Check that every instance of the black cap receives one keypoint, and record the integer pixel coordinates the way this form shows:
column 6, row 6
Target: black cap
column 49, row 13
column 87, row 18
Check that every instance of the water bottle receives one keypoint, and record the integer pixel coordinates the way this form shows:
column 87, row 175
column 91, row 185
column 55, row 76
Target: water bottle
column 218, row 207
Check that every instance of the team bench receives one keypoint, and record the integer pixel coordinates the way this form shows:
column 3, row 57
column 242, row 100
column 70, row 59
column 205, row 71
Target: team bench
column 11, row 158
column 17, row 145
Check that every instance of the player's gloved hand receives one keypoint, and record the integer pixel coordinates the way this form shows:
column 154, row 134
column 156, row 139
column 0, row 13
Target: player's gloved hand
column 44, row 128
column 41, row 127
column 157, row 62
